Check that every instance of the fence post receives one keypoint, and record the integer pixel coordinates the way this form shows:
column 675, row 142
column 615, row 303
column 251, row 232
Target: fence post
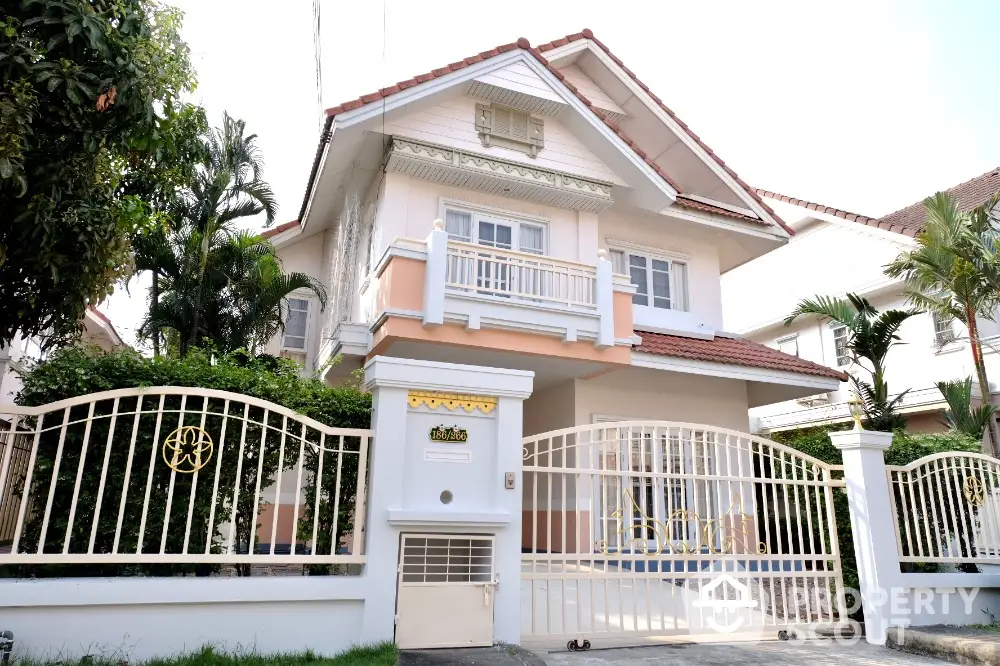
column 437, row 263
column 873, row 528
column 605, row 298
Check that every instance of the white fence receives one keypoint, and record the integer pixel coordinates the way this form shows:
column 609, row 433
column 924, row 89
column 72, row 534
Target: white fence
column 178, row 476
column 642, row 528
column 947, row 508
column 520, row 275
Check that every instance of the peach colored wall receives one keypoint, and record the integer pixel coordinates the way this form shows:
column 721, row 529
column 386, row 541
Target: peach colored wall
column 550, row 539
column 623, row 315
column 401, row 285
column 394, row 328
column 286, row 521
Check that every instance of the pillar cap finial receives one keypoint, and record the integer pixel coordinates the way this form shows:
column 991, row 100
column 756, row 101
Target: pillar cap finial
column 439, row 224
column 602, row 254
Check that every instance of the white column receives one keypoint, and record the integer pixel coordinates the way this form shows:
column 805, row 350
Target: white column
column 874, row 532
column 437, row 259
column 399, row 475
column 605, row 297
column 384, row 491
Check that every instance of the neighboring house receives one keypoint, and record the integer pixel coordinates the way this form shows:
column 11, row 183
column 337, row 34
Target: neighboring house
column 14, row 359
column 537, row 209
column 835, row 252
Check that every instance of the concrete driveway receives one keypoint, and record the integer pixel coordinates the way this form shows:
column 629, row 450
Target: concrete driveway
column 771, row 653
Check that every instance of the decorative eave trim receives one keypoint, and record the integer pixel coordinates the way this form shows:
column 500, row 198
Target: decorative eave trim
column 489, row 174
column 451, row 401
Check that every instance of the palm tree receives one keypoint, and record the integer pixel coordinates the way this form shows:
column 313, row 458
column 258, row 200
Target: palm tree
column 870, row 336
column 961, row 415
column 214, row 283
column 954, row 271
column 227, row 187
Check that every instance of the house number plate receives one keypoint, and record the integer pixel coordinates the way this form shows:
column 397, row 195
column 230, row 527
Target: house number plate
column 452, row 434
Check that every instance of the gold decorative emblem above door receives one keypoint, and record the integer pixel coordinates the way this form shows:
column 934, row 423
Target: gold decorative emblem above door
column 452, row 401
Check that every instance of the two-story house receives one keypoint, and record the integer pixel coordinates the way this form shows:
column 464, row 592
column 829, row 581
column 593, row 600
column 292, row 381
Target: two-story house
column 834, row 252
column 537, row 208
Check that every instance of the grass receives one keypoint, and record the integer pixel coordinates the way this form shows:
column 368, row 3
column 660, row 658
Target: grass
column 383, row 654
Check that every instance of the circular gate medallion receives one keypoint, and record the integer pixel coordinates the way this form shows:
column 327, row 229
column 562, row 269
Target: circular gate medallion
column 187, row 449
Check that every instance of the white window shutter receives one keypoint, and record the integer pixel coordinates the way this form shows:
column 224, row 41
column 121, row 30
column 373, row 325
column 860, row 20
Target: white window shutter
column 536, row 135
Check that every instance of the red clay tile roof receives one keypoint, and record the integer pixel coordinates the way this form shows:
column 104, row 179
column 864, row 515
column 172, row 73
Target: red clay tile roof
column 100, row 315
column 908, row 221
column 269, row 233
column 709, row 208
column 966, row 196
column 829, row 210
column 523, row 43
column 732, row 351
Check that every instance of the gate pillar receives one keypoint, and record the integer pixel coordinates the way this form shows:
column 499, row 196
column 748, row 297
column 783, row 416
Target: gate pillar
column 446, row 459
column 874, row 533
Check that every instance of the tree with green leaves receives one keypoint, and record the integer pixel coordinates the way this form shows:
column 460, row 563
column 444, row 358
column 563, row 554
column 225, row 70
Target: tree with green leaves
column 961, row 415
column 214, row 283
column 870, row 336
column 954, row 271
column 92, row 131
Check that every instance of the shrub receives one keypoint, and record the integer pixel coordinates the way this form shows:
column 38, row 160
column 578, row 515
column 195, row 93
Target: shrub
column 77, row 371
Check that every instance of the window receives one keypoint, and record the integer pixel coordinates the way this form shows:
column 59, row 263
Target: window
column 944, row 331
column 789, row 345
column 493, row 231
column 660, row 283
column 296, row 324
column 840, row 346
column 497, row 125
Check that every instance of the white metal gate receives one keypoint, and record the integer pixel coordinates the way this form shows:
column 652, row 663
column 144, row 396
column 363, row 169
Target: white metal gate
column 645, row 528
column 446, row 590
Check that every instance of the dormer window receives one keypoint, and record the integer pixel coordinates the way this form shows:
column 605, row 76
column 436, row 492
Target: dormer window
column 500, row 126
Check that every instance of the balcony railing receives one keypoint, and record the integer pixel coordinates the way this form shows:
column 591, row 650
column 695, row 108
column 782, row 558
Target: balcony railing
column 520, row 276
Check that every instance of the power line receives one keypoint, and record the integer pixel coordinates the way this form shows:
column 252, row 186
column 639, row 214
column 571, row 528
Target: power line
column 318, row 49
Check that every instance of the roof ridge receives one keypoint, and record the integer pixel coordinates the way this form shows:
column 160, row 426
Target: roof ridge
column 821, row 208
column 524, row 44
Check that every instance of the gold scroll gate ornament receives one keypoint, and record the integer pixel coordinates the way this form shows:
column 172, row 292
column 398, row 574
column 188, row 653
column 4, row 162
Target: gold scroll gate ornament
column 187, row 449
column 973, row 490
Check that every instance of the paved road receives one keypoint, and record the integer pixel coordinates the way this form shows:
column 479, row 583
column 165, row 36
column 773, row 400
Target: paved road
column 772, row 653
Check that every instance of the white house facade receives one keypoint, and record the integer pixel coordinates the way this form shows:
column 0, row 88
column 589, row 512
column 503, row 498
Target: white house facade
column 835, row 252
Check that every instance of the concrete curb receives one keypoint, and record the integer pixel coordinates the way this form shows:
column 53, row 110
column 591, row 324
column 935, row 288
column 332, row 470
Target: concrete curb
column 957, row 649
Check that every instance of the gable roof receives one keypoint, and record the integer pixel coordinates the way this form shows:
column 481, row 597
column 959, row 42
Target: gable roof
column 732, row 351
column 524, row 44
column 908, row 221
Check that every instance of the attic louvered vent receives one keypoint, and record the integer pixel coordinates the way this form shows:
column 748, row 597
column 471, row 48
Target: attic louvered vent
column 500, row 126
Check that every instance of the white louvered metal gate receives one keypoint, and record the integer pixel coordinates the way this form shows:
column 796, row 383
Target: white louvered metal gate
column 656, row 529
column 446, row 591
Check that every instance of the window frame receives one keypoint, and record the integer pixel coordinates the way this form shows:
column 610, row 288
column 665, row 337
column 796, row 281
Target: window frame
column 834, row 328
column 495, row 216
column 651, row 255
column 794, row 337
column 304, row 349
column 944, row 330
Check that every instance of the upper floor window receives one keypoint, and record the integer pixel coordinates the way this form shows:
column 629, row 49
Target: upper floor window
column 493, row 231
column 944, row 331
column 840, row 349
column 789, row 344
column 296, row 324
column 659, row 282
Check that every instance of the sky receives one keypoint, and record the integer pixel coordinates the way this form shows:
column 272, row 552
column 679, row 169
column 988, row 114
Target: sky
column 862, row 105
